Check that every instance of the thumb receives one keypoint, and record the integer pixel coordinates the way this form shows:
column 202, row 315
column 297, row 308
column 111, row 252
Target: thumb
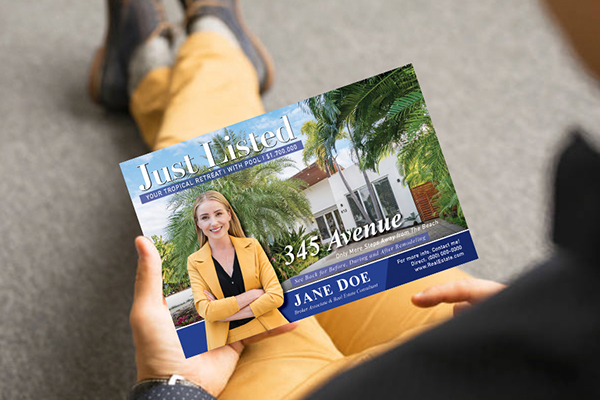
column 148, row 280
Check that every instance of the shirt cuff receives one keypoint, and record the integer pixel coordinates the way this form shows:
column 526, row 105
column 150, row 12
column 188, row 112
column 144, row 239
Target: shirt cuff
column 161, row 390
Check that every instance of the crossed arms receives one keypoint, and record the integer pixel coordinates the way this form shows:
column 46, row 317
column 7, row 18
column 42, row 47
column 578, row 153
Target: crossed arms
column 252, row 303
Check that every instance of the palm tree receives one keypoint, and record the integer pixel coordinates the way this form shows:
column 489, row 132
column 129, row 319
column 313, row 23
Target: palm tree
column 385, row 112
column 363, row 169
column 388, row 115
column 314, row 149
column 320, row 144
column 421, row 160
column 266, row 205
column 334, row 106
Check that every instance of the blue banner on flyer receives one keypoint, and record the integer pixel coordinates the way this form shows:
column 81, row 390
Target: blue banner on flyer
column 378, row 276
column 358, row 260
column 430, row 258
column 336, row 291
column 193, row 339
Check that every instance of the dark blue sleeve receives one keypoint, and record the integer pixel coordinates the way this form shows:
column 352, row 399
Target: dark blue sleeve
column 169, row 392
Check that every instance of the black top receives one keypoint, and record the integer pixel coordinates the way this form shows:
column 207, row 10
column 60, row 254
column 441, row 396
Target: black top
column 232, row 286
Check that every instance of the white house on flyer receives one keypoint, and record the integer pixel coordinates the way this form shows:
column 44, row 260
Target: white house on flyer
column 333, row 208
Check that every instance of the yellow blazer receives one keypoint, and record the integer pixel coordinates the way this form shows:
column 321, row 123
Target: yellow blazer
column 257, row 273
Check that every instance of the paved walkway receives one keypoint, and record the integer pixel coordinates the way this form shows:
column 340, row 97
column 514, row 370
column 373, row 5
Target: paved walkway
column 437, row 229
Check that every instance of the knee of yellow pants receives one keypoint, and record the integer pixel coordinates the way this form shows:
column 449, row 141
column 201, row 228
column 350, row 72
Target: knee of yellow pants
column 292, row 365
column 386, row 316
column 277, row 366
column 339, row 366
column 297, row 366
column 213, row 85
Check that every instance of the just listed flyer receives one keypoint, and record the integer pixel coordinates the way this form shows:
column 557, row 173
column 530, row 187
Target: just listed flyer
column 326, row 201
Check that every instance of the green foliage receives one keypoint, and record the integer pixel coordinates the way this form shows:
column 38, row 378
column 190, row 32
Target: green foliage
column 386, row 115
column 320, row 144
column 421, row 160
column 447, row 202
column 412, row 217
column 265, row 205
column 313, row 148
column 172, row 280
column 383, row 111
column 323, row 135
column 294, row 238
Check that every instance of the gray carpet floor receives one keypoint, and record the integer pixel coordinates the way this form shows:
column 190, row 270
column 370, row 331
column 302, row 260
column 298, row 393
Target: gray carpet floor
column 500, row 85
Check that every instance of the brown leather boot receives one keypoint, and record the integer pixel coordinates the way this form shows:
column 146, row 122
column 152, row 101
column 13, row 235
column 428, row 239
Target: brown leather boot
column 131, row 23
column 229, row 11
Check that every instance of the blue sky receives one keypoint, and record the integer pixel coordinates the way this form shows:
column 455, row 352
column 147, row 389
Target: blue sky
column 153, row 215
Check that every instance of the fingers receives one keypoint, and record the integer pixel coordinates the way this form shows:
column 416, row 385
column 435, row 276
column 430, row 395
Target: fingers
column 447, row 292
column 148, row 280
column 273, row 332
column 466, row 290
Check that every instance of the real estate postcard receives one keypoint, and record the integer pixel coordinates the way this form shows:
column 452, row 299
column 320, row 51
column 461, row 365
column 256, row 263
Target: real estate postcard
column 347, row 193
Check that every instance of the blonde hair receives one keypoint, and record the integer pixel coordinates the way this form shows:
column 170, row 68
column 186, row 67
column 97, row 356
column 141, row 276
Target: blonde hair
column 235, row 227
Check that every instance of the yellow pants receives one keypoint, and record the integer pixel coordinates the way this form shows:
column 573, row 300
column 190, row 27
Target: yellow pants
column 213, row 85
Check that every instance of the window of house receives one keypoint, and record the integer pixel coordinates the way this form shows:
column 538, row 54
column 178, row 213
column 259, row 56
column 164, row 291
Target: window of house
column 356, row 214
column 364, row 197
column 385, row 200
column 329, row 222
column 323, row 230
column 368, row 203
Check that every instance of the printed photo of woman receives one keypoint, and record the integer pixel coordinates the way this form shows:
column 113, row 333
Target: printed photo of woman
column 234, row 285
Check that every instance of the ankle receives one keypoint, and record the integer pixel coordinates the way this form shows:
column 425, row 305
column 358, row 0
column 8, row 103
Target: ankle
column 150, row 55
column 209, row 23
